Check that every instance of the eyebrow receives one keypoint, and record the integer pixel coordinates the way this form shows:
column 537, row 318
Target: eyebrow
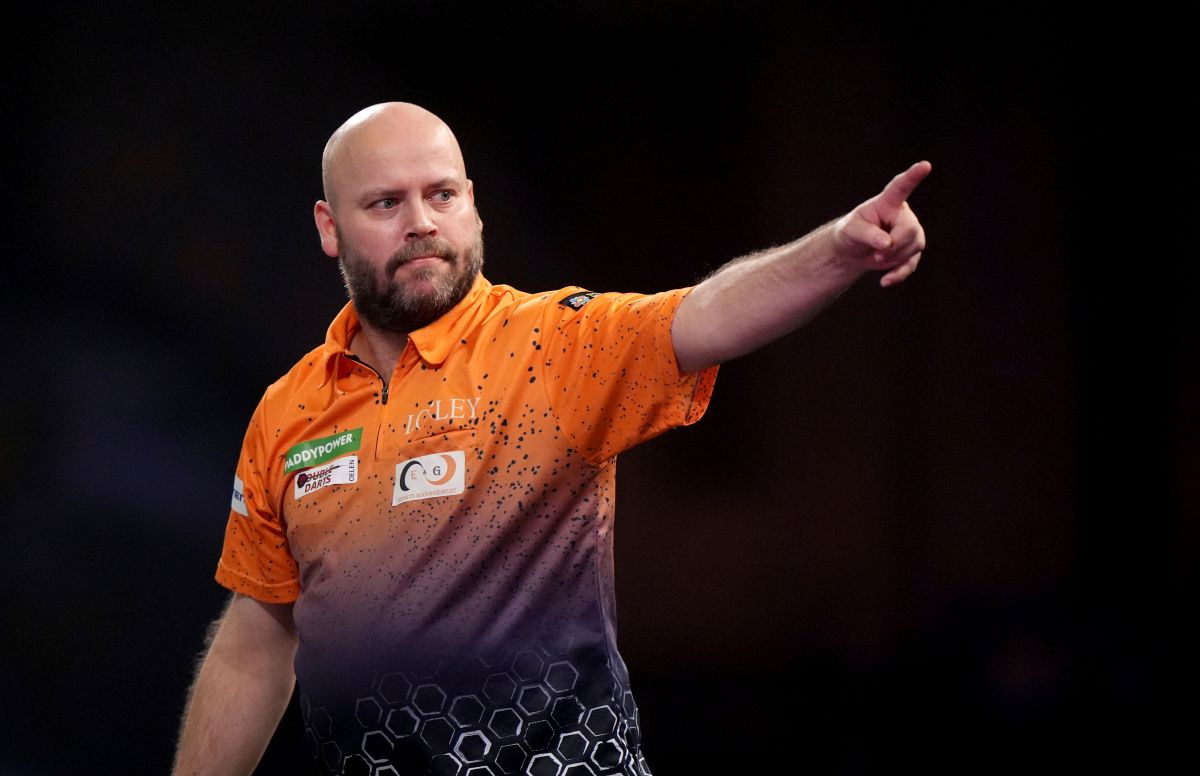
column 391, row 191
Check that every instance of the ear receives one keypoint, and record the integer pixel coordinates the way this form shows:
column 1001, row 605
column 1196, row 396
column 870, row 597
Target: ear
column 323, row 215
column 471, row 197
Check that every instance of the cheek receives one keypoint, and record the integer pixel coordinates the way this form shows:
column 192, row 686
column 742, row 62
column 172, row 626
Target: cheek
column 464, row 230
column 376, row 244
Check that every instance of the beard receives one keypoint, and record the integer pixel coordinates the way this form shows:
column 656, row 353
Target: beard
column 400, row 308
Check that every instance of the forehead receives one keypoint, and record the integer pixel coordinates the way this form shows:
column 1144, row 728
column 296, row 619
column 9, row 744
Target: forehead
column 387, row 155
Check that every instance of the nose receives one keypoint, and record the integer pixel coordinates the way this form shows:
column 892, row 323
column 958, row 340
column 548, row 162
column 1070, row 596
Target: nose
column 420, row 220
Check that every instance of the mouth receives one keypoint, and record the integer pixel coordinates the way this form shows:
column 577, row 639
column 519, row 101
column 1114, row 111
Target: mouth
column 426, row 260
column 426, row 253
column 421, row 266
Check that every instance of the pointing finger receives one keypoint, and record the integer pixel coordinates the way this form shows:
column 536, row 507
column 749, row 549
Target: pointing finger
column 901, row 187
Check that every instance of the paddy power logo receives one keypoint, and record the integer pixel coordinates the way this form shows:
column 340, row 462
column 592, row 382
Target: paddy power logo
column 440, row 474
column 317, row 451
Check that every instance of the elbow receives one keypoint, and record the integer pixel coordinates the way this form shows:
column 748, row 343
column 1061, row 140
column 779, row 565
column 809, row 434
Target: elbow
column 698, row 342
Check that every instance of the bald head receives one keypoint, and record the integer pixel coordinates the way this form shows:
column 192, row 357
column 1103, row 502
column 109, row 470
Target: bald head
column 393, row 133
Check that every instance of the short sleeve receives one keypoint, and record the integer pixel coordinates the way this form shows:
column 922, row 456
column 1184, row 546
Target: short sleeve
column 255, row 559
column 611, row 373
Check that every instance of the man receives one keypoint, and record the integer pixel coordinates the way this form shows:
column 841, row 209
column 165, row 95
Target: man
column 424, row 503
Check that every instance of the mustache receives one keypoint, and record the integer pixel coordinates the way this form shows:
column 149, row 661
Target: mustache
column 426, row 246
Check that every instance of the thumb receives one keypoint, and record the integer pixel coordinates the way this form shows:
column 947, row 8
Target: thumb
column 860, row 236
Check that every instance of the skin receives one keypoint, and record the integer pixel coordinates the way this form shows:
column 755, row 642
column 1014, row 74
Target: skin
column 396, row 186
column 240, row 691
column 758, row 298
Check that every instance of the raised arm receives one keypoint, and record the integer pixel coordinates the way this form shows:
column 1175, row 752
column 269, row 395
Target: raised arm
column 241, row 690
column 757, row 298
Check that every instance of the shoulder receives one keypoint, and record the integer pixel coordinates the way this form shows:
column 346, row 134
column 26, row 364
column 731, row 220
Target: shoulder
column 576, row 308
column 507, row 305
column 298, row 385
column 577, row 305
column 565, row 302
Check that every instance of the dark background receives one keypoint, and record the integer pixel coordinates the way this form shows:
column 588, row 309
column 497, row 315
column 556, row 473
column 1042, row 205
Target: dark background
column 948, row 526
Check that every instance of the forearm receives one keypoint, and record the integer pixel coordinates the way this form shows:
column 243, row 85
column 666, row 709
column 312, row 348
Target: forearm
column 240, row 692
column 755, row 299
column 758, row 298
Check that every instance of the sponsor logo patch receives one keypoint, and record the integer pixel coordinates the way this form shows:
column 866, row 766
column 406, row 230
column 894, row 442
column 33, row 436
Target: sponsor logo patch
column 317, row 451
column 440, row 474
column 575, row 301
column 239, row 497
column 340, row 471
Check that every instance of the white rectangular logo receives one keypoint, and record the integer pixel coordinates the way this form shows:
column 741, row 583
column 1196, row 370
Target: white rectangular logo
column 239, row 497
column 440, row 474
column 339, row 471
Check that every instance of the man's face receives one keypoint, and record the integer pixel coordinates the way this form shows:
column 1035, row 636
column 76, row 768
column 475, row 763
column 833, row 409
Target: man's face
column 401, row 219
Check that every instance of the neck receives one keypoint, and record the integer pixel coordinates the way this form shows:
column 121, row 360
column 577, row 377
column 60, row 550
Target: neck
column 379, row 350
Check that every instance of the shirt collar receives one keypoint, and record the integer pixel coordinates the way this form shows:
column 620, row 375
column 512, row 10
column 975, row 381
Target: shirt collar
column 433, row 342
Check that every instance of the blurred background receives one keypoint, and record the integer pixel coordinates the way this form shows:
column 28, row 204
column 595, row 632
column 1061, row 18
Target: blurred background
column 950, row 526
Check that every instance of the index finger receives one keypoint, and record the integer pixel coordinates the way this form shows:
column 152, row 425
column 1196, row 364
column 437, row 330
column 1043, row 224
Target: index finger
column 901, row 187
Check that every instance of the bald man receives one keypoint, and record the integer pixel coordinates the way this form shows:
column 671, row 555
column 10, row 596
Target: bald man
column 420, row 528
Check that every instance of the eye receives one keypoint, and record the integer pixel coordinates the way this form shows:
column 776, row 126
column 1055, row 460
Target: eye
column 387, row 203
column 445, row 195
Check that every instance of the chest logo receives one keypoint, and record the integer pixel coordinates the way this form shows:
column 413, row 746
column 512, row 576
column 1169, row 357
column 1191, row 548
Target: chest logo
column 440, row 474
column 440, row 410
column 318, row 451
column 340, row 471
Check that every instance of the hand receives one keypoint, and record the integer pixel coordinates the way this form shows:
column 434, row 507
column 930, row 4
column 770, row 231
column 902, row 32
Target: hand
column 883, row 233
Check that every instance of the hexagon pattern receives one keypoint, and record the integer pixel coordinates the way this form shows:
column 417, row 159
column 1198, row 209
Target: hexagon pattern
column 524, row 718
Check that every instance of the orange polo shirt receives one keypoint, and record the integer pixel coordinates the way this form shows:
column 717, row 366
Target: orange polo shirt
column 446, row 534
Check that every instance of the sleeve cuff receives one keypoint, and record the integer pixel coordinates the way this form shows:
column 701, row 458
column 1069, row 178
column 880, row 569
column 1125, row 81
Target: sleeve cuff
column 268, row 592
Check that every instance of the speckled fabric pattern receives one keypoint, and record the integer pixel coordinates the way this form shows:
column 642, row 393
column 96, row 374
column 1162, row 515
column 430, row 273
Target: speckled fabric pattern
column 447, row 535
